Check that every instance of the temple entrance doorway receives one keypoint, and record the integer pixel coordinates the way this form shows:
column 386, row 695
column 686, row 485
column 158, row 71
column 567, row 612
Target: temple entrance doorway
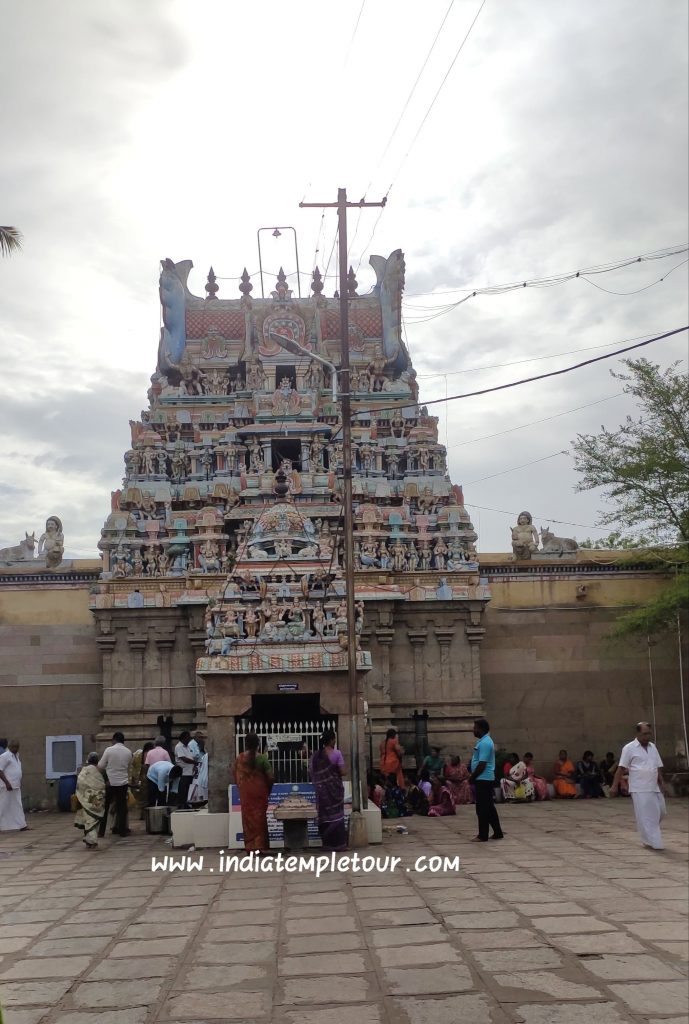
column 289, row 727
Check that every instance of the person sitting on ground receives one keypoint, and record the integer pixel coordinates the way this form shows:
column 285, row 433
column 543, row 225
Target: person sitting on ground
column 456, row 780
column 608, row 767
column 433, row 762
column 564, row 777
column 436, row 787
column 394, row 803
column 417, row 795
column 509, row 763
column 425, row 783
column 376, row 793
column 517, row 786
column 442, row 804
column 588, row 776
column 539, row 783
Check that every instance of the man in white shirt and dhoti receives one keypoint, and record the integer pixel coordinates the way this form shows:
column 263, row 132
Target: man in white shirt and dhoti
column 11, row 813
column 646, row 785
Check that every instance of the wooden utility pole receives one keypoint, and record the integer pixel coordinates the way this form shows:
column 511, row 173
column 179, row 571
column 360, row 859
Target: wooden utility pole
column 357, row 828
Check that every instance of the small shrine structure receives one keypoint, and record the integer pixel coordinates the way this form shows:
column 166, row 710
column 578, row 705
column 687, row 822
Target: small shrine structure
column 222, row 595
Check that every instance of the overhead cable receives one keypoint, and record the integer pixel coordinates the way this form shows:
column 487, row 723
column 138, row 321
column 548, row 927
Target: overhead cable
column 438, row 91
column 513, row 469
column 540, row 376
column 531, row 359
column 532, row 423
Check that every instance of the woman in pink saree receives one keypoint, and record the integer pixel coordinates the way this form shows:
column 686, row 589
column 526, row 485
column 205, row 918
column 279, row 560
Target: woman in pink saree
column 539, row 783
column 457, row 782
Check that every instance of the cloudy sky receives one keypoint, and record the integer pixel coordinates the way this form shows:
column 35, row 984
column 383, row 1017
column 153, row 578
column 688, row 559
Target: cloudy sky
column 135, row 131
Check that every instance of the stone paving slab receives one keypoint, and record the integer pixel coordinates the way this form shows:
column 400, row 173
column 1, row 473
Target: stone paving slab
column 655, row 996
column 568, row 921
column 584, row 1013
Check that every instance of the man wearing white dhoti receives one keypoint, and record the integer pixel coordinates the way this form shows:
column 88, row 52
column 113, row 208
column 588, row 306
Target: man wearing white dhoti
column 11, row 812
column 646, row 785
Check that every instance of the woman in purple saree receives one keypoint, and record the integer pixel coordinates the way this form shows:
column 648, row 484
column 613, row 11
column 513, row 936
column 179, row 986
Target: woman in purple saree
column 327, row 769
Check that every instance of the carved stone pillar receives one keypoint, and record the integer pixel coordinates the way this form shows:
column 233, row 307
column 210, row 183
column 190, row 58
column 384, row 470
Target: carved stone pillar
column 197, row 642
column 385, row 635
column 417, row 638
column 221, row 754
column 165, row 642
column 475, row 635
column 137, row 645
column 444, row 636
column 106, row 643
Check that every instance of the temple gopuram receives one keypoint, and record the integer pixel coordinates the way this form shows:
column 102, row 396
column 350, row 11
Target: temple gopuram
column 222, row 600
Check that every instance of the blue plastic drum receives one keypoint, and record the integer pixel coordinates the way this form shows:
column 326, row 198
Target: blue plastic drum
column 66, row 788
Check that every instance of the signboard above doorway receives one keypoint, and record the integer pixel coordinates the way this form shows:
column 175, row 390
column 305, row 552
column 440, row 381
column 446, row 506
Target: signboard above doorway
column 288, row 687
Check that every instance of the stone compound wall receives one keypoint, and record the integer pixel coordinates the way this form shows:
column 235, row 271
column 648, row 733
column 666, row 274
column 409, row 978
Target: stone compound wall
column 50, row 675
column 549, row 676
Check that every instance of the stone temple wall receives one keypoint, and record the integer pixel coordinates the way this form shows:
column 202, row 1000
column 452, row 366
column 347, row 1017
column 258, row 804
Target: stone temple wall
column 552, row 677
column 50, row 674
column 549, row 677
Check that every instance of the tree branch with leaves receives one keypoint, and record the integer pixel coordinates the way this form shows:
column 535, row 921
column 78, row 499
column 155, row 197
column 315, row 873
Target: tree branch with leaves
column 10, row 240
column 643, row 469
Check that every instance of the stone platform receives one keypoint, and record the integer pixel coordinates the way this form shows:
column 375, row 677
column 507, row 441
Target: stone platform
column 567, row 921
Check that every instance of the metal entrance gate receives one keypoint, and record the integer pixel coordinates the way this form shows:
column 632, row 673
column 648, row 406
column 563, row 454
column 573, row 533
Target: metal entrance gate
column 289, row 745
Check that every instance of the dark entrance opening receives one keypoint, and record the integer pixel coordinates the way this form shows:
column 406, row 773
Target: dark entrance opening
column 285, row 707
column 288, row 371
column 285, row 448
column 289, row 727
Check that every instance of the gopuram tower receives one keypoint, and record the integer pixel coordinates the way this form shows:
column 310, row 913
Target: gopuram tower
column 222, row 599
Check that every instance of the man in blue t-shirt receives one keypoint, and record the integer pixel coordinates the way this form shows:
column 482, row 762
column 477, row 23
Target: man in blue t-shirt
column 483, row 778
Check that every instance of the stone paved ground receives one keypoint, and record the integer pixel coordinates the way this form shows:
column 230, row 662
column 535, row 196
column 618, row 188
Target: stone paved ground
column 568, row 921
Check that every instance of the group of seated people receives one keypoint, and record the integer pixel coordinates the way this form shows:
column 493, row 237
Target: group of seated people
column 592, row 778
column 442, row 784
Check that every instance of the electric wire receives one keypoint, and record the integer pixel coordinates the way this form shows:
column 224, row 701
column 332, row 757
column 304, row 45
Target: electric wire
column 544, row 419
column 635, row 291
column 513, row 469
column 439, row 90
column 542, row 376
column 393, row 133
column 525, row 380
column 532, row 359
column 544, row 282
column 353, row 35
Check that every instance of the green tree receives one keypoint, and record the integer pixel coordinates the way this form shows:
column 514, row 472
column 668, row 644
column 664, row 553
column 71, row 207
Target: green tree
column 615, row 541
column 643, row 468
column 10, row 240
